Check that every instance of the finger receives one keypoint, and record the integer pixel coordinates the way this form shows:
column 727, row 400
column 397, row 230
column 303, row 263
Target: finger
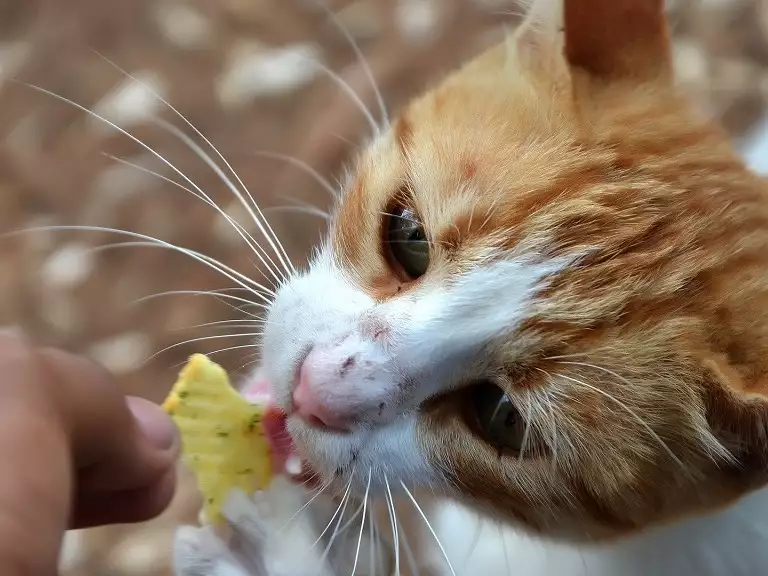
column 56, row 410
column 126, row 507
column 37, row 475
column 118, row 445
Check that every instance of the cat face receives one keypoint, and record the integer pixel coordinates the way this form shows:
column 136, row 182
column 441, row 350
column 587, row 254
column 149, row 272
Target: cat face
column 544, row 292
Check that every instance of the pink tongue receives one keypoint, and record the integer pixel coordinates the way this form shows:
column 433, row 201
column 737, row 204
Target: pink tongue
column 259, row 392
column 285, row 458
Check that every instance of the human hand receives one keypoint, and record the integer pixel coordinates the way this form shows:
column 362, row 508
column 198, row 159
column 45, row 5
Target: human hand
column 74, row 453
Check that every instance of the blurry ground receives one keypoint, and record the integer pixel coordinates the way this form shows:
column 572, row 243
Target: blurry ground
column 249, row 74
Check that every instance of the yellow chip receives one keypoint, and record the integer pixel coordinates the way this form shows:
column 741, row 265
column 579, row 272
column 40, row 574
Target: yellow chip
column 223, row 442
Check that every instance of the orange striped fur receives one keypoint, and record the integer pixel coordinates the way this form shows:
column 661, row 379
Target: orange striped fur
column 652, row 349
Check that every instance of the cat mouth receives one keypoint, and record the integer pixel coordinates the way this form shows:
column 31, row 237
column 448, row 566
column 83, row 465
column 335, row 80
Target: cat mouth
column 286, row 459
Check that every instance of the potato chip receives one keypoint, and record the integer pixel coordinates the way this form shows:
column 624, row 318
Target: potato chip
column 222, row 438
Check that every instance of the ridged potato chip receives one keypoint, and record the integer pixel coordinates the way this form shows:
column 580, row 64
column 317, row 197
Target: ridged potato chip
column 222, row 438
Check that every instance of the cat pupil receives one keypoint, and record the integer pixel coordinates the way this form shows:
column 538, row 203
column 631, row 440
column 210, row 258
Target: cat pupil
column 406, row 243
column 497, row 417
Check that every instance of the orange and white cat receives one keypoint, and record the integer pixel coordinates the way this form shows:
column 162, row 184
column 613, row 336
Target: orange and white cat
column 543, row 295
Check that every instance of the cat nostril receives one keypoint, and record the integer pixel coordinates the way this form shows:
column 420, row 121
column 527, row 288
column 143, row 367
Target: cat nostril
column 310, row 408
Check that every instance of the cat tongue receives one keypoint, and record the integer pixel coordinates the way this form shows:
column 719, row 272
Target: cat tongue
column 285, row 459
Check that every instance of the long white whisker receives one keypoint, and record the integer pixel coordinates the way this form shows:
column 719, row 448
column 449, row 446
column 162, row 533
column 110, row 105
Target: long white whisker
column 258, row 217
column 309, row 210
column 338, row 508
column 215, row 294
column 506, row 552
column 373, row 531
column 229, row 273
column 221, row 350
column 362, row 522
column 154, row 244
column 303, row 166
column 363, row 62
column 206, row 140
column 242, row 232
column 429, row 527
column 353, row 96
column 227, row 324
column 631, row 412
column 305, row 506
column 132, row 138
column 346, row 500
column 352, row 518
column 393, row 522
column 524, row 441
column 260, row 291
column 409, row 557
column 203, row 339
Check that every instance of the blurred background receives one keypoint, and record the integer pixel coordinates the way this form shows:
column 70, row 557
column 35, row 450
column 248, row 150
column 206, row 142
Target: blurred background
column 252, row 75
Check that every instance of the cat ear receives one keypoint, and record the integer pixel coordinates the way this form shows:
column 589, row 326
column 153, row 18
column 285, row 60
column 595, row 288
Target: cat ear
column 538, row 39
column 739, row 421
column 614, row 40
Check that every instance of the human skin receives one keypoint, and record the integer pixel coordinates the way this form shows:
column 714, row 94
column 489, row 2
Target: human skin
column 75, row 453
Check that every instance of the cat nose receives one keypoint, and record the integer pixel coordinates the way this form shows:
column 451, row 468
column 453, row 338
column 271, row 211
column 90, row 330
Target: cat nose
column 310, row 406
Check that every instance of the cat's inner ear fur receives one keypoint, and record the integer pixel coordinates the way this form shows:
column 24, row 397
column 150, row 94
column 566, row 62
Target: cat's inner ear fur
column 617, row 40
column 738, row 418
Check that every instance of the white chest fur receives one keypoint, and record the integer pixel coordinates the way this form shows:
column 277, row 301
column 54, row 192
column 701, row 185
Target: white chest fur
column 733, row 542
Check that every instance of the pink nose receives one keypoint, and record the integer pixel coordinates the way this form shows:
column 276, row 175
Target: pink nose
column 311, row 408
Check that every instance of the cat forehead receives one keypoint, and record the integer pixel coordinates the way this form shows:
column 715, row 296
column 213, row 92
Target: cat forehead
column 474, row 134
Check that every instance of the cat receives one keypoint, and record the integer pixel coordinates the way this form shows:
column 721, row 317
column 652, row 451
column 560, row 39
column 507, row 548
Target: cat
column 544, row 296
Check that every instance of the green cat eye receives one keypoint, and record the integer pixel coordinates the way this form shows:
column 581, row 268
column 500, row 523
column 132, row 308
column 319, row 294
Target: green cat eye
column 407, row 243
column 498, row 419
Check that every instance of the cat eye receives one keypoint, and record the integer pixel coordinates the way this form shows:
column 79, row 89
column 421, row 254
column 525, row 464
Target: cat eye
column 406, row 242
column 498, row 419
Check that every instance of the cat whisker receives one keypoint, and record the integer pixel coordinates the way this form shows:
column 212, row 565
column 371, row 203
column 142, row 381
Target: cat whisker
column 504, row 549
column 361, row 59
column 242, row 232
column 203, row 339
column 304, row 167
column 134, row 139
column 632, row 413
column 352, row 519
column 309, row 210
column 213, row 293
column 235, row 323
column 345, row 501
column 231, row 326
column 362, row 522
column 238, row 278
column 258, row 216
column 473, row 545
column 210, row 144
column 353, row 96
column 553, row 430
column 339, row 508
column 302, row 203
column 409, row 556
column 524, row 441
column 719, row 450
column 154, row 244
column 393, row 522
column 220, row 351
column 429, row 527
column 304, row 507
column 562, row 356
column 374, row 543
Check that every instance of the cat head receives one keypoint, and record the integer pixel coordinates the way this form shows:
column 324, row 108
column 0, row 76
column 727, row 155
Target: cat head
column 543, row 292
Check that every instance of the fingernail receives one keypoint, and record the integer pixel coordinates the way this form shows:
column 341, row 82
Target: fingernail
column 156, row 425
